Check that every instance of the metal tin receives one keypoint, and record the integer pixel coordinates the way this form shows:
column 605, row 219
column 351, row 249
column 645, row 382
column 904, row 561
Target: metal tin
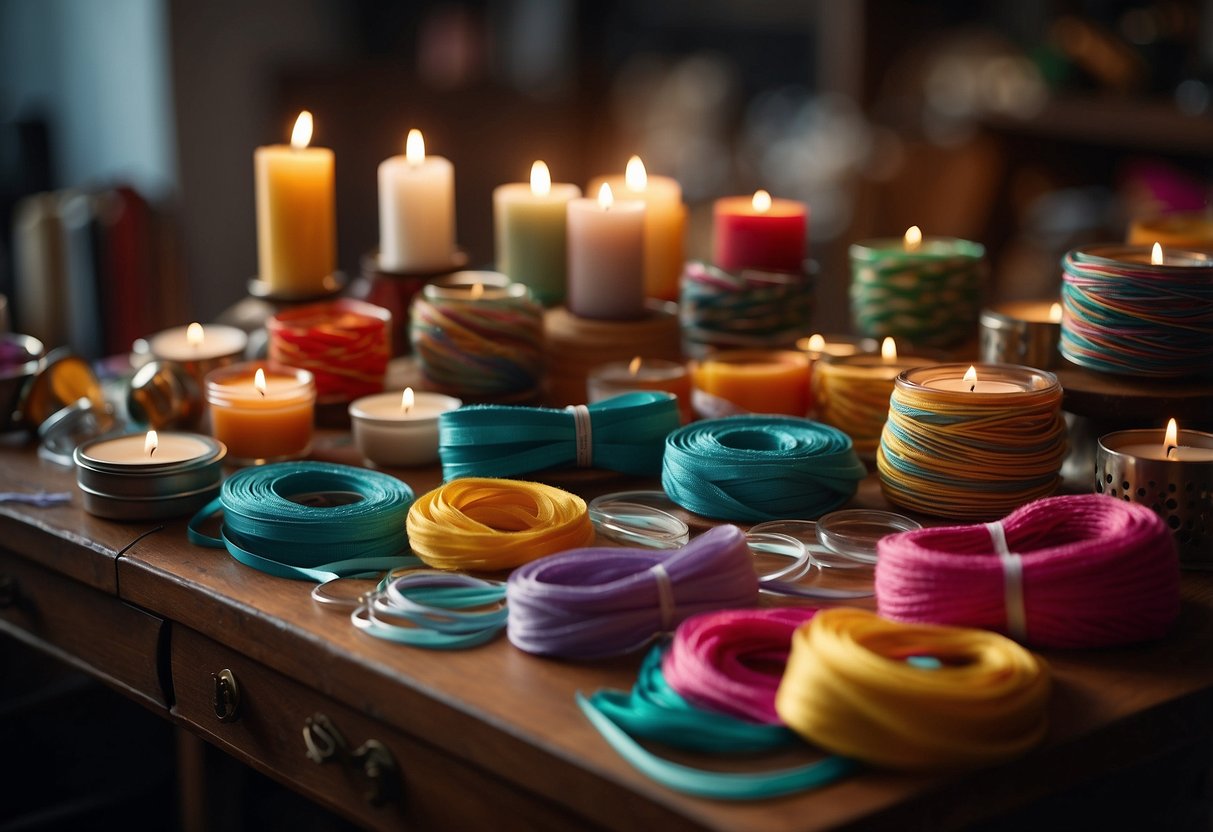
column 148, row 490
column 71, row 426
column 17, row 376
column 1179, row 491
column 164, row 394
column 64, row 380
column 1007, row 338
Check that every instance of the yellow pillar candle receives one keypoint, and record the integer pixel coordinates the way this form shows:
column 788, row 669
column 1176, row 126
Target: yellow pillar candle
column 530, row 221
column 296, row 215
column 664, row 225
column 751, row 381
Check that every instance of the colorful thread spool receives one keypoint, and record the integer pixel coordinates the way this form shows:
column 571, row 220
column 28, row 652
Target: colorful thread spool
column 747, row 309
column 345, row 344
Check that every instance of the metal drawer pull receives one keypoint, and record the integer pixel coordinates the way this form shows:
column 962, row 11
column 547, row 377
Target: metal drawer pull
column 322, row 739
column 373, row 760
column 226, row 700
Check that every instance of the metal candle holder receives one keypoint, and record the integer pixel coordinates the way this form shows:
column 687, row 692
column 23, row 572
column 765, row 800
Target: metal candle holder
column 148, row 490
column 1179, row 491
column 1007, row 337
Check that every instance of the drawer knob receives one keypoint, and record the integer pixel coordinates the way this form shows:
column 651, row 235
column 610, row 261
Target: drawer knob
column 322, row 739
column 226, row 698
column 10, row 592
column 373, row 760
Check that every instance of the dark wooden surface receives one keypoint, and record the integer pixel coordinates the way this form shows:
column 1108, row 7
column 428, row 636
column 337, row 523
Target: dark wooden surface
column 510, row 718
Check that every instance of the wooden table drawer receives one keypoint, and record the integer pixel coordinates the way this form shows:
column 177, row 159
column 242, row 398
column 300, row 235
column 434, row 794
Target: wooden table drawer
column 84, row 627
column 428, row 788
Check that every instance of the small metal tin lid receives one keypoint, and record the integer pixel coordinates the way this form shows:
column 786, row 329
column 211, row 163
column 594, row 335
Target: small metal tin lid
column 150, row 480
column 67, row 428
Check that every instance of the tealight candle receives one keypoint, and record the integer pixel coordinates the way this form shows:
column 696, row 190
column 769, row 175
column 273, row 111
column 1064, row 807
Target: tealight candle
column 296, row 215
column 616, row 377
column 530, row 223
column 751, row 381
column 1022, row 332
column 1172, row 472
column 262, row 412
column 926, row 290
column 818, row 346
column 759, row 232
column 973, row 382
column 664, row 224
column 416, row 210
column 399, row 429
column 606, row 257
column 197, row 348
column 148, row 476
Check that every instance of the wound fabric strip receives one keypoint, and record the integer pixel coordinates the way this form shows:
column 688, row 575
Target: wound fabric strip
column 584, row 438
column 1012, row 570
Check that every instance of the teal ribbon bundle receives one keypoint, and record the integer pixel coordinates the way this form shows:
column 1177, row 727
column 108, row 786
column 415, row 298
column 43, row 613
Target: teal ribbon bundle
column 754, row 468
column 653, row 710
column 311, row 521
column 625, row 433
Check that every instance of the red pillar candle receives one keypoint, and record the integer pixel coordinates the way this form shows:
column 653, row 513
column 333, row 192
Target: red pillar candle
column 760, row 233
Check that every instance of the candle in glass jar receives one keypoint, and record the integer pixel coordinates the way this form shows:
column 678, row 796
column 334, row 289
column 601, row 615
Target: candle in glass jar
column 531, row 225
column 606, row 257
column 296, row 215
column 972, row 382
column 759, row 232
column 399, row 428
column 751, row 381
column 617, row 377
column 262, row 412
column 416, row 210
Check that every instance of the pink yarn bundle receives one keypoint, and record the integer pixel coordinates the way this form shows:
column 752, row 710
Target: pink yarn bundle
column 732, row 661
column 1085, row 571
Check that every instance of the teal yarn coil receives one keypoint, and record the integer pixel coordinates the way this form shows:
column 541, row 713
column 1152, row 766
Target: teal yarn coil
column 626, row 433
column 718, row 309
column 311, row 520
column 754, row 468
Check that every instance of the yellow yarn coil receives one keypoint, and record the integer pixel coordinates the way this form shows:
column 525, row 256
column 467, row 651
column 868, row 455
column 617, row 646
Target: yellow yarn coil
column 849, row 689
column 483, row 524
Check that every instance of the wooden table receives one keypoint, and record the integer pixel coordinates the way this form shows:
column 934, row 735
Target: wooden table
column 491, row 737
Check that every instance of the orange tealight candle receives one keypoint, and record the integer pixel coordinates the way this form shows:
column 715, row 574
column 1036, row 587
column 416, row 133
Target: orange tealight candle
column 262, row 412
column 751, row 381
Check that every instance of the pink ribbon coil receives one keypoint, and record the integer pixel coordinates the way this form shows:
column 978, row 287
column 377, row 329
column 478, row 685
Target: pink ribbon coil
column 1073, row 571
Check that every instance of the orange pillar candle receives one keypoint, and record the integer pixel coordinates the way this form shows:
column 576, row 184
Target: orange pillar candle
column 751, row 381
column 262, row 412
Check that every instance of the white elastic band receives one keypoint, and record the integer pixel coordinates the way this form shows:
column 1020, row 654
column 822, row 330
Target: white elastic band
column 584, row 438
column 1012, row 573
column 665, row 595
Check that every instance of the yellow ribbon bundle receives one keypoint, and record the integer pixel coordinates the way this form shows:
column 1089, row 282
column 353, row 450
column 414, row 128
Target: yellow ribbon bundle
column 481, row 524
column 912, row 696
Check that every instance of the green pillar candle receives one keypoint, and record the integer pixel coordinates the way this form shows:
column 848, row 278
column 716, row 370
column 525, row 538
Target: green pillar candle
column 530, row 224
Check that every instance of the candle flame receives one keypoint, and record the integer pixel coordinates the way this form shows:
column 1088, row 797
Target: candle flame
column 1055, row 313
column 194, row 334
column 259, row 381
column 1156, row 258
column 302, row 134
column 888, row 349
column 477, row 291
column 1171, row 440
column 636, row 177
column 406, row 400
column 541, row 179
column 971, row 375
column 761, row 201
column 817, row 342
column 605, row 198
column 151, row 443
column 414, row 147
column 913, row 239
column 634, row 366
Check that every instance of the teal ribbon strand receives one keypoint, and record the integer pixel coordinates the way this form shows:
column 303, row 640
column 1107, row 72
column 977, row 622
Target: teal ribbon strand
column 311, row 521
column 627, row 434
column 754, row 468
column 652, row 710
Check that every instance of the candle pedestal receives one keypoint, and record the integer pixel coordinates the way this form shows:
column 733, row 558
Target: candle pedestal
column 576, row 345
column 394, row 291
column 747, row 309
column 1178, row 490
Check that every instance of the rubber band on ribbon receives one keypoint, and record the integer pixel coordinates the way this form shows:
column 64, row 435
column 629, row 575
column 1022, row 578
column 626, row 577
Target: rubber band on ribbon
column 480, row 524
column 625, row 433
column 1012, row 569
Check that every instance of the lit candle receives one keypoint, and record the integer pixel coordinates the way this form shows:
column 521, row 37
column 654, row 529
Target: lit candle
column 531, row 225
column 344, row 343
column 971, row 383
column 926, row 290
column 399, row 429
column 751, row 381
column 606, row 257
column 416, row 210
column 759, row 232
column 818, row 345
column 617, row 377
column 664, row 224
column 196, row 343
column 1169, row 448
column 149, row 449
column 262, row 413
column 296, row 215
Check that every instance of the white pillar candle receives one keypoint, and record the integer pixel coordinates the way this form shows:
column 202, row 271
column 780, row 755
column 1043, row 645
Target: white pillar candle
column 606, row 257
column 416, row 210
column 399, row 429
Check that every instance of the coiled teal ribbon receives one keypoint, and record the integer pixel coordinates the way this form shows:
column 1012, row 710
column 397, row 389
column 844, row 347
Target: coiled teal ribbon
column 626, row 433
column 654, row 711
column 755, row 468
column 269, row 525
